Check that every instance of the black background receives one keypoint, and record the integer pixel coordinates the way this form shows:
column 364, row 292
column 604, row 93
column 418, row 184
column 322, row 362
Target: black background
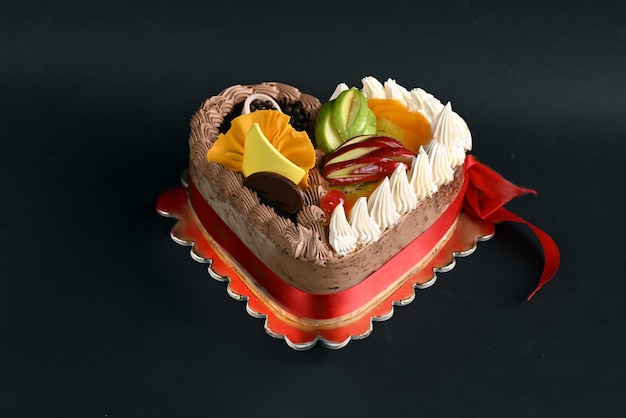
column 102, row 315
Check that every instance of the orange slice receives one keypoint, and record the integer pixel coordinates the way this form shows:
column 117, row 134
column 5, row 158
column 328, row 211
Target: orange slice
column 395, row 120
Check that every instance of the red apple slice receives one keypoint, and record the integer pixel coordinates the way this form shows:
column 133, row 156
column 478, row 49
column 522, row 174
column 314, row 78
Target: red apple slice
column 362, row 139
column 373, row 147
column 361, row 170
column 364, row 145
column 398, row 154
column 352, row 152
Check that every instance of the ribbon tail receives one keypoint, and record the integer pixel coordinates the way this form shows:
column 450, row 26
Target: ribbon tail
column 551, row 253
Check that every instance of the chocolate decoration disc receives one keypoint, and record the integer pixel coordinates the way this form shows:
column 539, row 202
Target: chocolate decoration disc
column 277, row 191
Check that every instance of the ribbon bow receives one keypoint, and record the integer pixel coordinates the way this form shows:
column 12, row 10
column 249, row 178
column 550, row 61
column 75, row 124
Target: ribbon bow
column 487, row 193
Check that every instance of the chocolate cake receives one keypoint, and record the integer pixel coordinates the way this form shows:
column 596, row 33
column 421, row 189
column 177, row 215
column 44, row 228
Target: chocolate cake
column 304, row 243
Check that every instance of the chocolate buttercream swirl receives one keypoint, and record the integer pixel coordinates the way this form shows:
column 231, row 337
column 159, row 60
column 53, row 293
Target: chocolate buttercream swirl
column 316, row 178
column 271, row 89
column 310, row 247
column 298, row 241
column 311, row 215
column 260, row 215
column 278, row 224
column 317, row 187
column 228, row 182
column 293, row 240
column 313, row 195
column 317, row 250
column 243, row 199
column 282, row 233
column 300, row 238
column 198, row 150
column 211, row 172
column 195, row 123
column 313, row 218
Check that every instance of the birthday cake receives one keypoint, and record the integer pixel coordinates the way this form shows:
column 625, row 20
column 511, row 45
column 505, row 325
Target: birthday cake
column 326, row 196
column 322, row 216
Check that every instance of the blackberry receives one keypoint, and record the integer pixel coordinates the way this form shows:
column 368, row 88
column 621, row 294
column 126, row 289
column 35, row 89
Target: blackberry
column 300, row 119
column 258, row 104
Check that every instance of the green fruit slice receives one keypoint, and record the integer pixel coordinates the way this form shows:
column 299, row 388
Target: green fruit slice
column 326, row 136
column 370, row 126
column 351, row 115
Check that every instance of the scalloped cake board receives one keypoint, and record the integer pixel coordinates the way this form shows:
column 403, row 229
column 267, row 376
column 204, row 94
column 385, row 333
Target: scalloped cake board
column 300, row 332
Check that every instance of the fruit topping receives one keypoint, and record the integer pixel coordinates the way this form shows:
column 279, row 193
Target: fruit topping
column 351, row 114
column 342, row 119
column 300, row 119
column 364, row 159
column 277, row 191
column 331, row 200
column 370, row 146
column 395, row 120
column 362, row 170
column 276, row 146
column 326, row 136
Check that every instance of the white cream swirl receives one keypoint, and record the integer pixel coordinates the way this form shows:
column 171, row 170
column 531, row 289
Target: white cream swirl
column 462, row 130
column 395, row 91
column 425, row 103
column 442, row 170
column 404, row 199
column 421, row 176
column 341, row 87
column 452, row 133
column 341, row 236
column 366, row 230
column 372, row 88
column 381, row 208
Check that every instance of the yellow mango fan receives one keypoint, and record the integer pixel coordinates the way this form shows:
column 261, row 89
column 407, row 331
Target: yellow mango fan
column 295, row 146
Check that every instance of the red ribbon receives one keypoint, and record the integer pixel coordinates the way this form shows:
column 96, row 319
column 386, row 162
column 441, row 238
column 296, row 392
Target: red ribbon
column 322, row 306
column 487, row 193
column 484, row 194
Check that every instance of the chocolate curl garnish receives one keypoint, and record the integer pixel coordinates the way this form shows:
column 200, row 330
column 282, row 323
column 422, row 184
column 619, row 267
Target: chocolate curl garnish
column 487, row 193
